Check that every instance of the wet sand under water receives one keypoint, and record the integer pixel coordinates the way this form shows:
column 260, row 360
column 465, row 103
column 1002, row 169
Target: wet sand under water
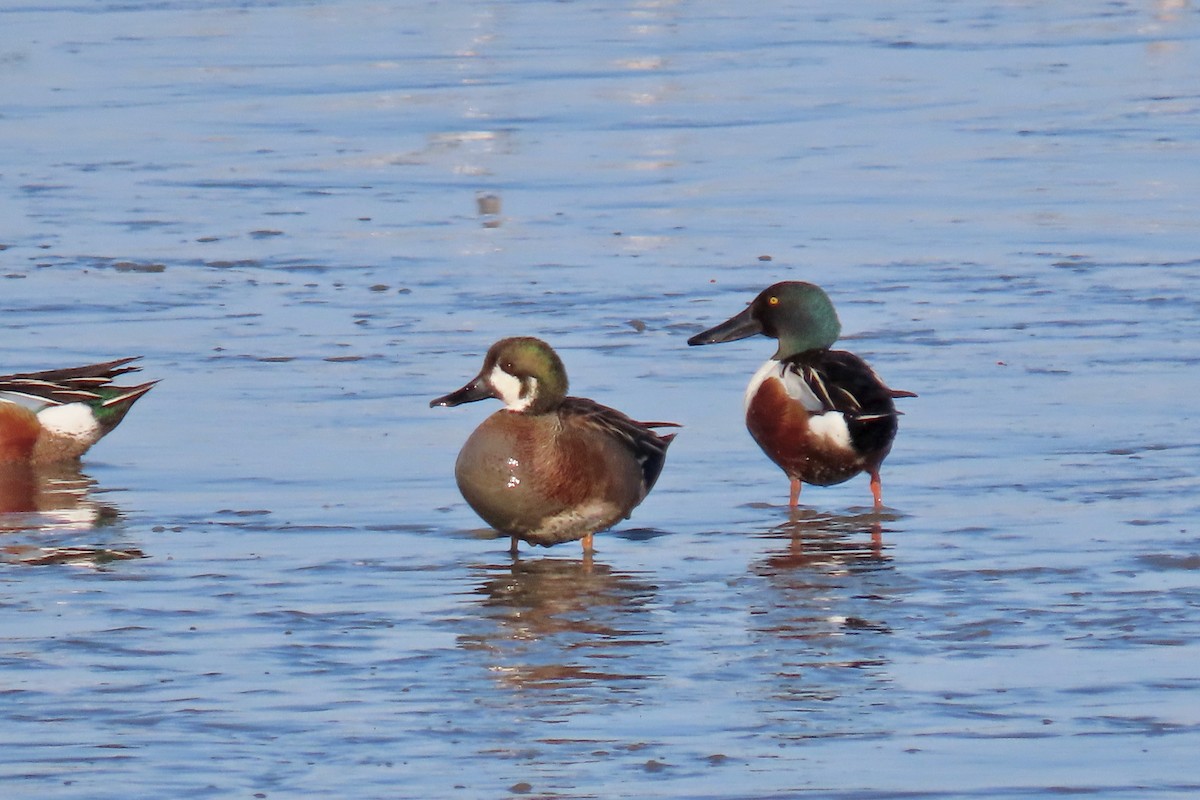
column 310, row 219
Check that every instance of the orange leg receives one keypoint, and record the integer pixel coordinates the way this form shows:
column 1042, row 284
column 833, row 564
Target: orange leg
column 794, row 500
column 877, row 489
column 587, row 543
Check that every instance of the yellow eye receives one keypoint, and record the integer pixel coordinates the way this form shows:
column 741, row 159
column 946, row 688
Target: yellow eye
column 774, row 301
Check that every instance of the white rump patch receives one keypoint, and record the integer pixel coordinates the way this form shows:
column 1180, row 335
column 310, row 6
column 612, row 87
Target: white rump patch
column 831, row 426
column 793, row 384
column 72, row 420
column 509, row 388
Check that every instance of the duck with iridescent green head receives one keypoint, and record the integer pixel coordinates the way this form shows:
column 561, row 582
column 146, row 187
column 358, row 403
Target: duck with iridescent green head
column 822, row 415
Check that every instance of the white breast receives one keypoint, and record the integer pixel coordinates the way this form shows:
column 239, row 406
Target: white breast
column 793, row 384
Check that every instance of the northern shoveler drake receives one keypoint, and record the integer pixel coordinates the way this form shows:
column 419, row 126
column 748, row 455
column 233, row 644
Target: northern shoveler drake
column 548, row 468
column 56, row 415
column 822, row 415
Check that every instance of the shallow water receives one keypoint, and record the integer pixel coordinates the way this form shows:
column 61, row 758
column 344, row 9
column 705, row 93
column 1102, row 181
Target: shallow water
column 311, row 218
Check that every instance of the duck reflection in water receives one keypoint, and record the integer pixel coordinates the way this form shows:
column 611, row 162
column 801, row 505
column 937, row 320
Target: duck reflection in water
column 820, row 573
column 829, row 542
column 562, row 624
column 52, row 499
column 821, row 603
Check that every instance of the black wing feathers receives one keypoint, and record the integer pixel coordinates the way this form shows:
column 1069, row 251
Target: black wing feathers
column 73, row 385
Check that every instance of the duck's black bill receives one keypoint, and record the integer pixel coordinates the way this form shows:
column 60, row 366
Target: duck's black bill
column 738, row 327
column 475, row 390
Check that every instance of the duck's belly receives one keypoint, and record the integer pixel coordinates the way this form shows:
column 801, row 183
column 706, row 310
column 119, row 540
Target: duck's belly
column 528, row 478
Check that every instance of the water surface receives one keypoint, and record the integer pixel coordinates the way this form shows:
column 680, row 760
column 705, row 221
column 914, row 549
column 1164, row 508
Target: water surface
column 311, row 218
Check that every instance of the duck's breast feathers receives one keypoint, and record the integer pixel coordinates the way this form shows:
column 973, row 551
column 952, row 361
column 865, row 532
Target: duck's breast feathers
column 640, row 439
column 794, row 384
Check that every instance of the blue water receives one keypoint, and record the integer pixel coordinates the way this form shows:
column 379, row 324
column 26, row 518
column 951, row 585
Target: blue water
column 311, row 218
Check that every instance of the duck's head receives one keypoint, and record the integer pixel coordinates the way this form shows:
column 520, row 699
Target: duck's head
column 800, row 315
column 522, row 372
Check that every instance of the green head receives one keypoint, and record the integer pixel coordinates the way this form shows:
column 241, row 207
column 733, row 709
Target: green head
column 523, row 372
column 800, row 315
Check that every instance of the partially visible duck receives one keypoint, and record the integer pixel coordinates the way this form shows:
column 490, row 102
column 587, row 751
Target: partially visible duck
column 56, row 415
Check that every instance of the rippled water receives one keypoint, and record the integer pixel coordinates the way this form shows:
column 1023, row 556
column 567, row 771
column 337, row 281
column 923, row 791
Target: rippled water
column 313, row 217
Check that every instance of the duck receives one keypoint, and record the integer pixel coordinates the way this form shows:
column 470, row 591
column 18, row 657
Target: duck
column 56, row 415
column 822, row 415
column 550, row 468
